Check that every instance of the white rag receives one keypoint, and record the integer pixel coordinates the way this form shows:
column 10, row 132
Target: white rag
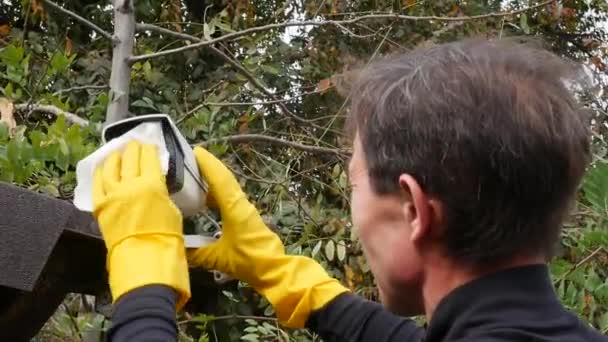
column 145, row 133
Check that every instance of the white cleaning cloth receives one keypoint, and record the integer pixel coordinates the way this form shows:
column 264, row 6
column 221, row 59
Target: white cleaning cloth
column 145, row 133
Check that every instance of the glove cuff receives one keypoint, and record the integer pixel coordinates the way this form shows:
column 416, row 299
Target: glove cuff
column 143, row 260
column 297, row 287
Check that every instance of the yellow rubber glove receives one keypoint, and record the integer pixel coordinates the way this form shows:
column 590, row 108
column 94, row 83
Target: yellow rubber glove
column 249, row 251
column 141, row 226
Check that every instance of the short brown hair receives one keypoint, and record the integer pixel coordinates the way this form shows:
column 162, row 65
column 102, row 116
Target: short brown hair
column 489, row 128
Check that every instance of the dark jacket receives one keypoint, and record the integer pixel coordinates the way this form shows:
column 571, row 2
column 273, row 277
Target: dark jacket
column 517, row 304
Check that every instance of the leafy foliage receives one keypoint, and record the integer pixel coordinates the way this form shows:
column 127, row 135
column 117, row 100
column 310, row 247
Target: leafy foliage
column 44, row 159
column 280, row 83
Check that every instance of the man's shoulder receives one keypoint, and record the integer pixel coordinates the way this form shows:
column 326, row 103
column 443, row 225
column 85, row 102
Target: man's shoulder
column 580, row 334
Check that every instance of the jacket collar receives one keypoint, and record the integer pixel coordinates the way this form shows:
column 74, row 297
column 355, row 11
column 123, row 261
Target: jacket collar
column 494, row 300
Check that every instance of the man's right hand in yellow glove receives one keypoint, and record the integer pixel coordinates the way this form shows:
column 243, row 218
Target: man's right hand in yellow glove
column 249, row 251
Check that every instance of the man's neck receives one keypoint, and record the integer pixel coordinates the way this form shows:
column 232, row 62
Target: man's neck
column 446, row 276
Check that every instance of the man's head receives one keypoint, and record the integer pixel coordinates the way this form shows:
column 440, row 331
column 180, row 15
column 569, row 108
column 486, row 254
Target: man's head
column 465, row 154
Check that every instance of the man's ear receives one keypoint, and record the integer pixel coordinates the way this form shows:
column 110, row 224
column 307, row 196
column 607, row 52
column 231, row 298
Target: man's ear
column 417, row 208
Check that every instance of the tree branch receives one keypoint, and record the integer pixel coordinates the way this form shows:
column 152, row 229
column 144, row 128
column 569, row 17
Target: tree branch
column 80, row 19
column 219, row 318
column 258, row 85
column 337, row 23
column 258, row 103
column 84, row 87
column 255, row 82
column 120, row 77
column 56, row 111
column 259, row 138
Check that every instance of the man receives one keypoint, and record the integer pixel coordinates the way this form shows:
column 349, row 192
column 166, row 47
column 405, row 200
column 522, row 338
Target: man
column 466, row 159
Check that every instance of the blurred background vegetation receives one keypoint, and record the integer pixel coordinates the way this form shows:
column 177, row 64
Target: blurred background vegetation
column 264, row 100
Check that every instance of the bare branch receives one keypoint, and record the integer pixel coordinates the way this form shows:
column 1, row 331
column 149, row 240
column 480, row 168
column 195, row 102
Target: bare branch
column 56, row 111
column 161, row 30
column 255, row 82
column 258, row 103
column 84, row 87
column 120, row 78
column 219, row 318
column 259, row 138
column 80, row 19
column 337, row 23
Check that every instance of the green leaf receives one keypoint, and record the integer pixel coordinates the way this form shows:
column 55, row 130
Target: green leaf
column 341, row 251
column 592, row 281
column 269, row 311
column 4, row 133
column 595, row 187
column 250, row 337
column 335, row 172
column 268, row 327
column 251, row 321
column 603, row 323
column 12, row 55
column 224, row 27
column 523, row 23
column 270, row 69
column 15, row 74
column 144, row 103
column 316, row 249
column 362, row 263
column 8, row 90
column 60, row 62
column 25, row 65
column 330, row 250
column 208, row 30
column 230, row 296
column 218, row 149
column 50, row 189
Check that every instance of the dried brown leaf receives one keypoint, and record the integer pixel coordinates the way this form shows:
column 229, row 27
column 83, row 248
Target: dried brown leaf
column 408, row 3
column 6, row 114
column 324, row 85
column 597, row 61
column 175, row 14
column 37, row 7
column 568, row 12
column 68, row 46
column 4, row 30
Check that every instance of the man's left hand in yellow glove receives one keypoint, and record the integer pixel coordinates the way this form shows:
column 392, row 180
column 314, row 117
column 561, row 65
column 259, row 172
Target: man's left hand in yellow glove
column 141, row 226
column 248, row 250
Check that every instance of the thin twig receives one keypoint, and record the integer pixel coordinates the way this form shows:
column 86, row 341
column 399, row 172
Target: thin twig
column 258, row 103
column 263, row 103
column 376, row 51
column 337, row 23
column 25, row 21
column 84, row 87
column 56, row 111
column 254, row 81
column 580, row 263
column 259, row 138
column 219, row 318
column 80, row 19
